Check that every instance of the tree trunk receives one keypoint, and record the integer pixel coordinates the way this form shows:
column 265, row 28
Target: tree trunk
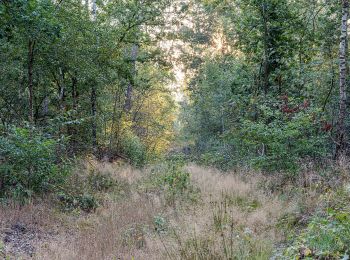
column 128, row 94
column 72, row 129
column 93, row 93
column 31, row 45
column 74, row 92
column 341, row 138
column 93, row 114
column 61, row 90
column 111, row 137
column 266, row 49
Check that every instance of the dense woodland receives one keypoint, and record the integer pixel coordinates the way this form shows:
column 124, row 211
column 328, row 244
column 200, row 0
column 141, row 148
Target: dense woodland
column 249, row 95
column 270, row 94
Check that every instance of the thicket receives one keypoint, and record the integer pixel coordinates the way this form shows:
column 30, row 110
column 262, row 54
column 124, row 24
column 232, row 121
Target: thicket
column 265, row 94
column 89, row 73
column 264, row 91
column 30, row 163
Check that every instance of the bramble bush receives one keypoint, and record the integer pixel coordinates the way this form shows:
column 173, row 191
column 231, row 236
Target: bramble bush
column 327, row 235
column 29, row 164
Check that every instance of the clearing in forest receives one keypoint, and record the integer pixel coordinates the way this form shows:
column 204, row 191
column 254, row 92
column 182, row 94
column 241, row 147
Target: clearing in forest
column 162, row 212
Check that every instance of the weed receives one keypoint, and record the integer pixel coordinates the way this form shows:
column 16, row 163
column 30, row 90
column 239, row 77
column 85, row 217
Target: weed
column 134, row 236
column 173, row 180
column 86, row 202
column 160, row 224
column 327, row 235
column 101, row 181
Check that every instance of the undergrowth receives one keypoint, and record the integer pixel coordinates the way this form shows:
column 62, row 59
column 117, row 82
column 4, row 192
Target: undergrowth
column 172, row 180
column 327, row 234
column 176, row 210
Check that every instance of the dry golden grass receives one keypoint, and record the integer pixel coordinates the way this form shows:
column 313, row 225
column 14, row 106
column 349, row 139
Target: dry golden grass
column 233, row 219
column 118, row 230
column 115, row 233
column 26, row 228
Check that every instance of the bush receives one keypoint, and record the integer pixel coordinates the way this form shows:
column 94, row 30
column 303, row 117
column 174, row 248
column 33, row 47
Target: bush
column 101, row 181
column 171, row 178
column 283, row 142
column 30, row 164
column 326, row 237
column 134, row 149
column 160, row 224
column 86, row 202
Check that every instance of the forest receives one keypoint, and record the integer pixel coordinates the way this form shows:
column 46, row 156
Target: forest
column 174, row 129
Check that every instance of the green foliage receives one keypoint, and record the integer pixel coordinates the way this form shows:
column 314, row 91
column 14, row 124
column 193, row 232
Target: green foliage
column 30, row 163
column 172, row 179
column 85, row 189
column 177, row 180
column 74, row 63
column 326, row 237
column 281, row 143
column 86, row 202
column 233, row 125
column 134, row 149
column 267, row 98
column 101, row 181
column 160, row 224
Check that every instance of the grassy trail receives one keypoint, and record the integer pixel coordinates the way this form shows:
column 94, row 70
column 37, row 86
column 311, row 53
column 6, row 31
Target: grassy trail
column 222, row 216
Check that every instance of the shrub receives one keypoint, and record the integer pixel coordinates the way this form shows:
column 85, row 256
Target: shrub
column 101, row 181
column 30, row 164
column 174, row 180
column 160, row 224
column 283, row 142
column 134, row 149
column 86, row 202
column 177, row 180
column 326, row 237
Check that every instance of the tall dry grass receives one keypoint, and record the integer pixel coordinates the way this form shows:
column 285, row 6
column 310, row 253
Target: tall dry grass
column 118, row 230
column 233, row 219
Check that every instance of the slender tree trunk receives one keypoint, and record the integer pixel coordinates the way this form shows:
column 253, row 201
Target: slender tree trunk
column 332, row 83
column 31, row 45
column 129, row 90
column 301, row 62
column 94, row 9
column 45, row 106
column 111, row 137
column 93, row 94
column 74, row 93
column 341, row 138
column 72, row 129
column 93, row 114
column 61, row 90
column 266, row 49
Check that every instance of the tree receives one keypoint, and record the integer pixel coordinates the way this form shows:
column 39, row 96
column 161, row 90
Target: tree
column 343, row 68
column 128, row 95
column 93, row 89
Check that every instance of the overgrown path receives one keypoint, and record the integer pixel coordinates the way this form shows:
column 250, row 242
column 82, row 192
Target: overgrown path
column 215, row 216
